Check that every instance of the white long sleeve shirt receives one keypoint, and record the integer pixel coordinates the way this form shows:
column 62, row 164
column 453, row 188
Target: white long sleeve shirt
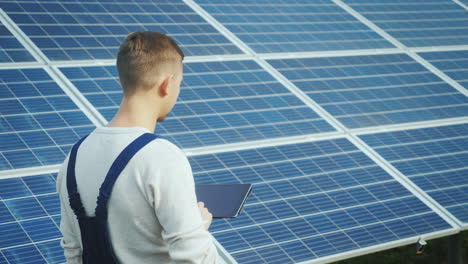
column 153, row 215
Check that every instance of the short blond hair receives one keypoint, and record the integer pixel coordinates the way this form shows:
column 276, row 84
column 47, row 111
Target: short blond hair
column 141, row 58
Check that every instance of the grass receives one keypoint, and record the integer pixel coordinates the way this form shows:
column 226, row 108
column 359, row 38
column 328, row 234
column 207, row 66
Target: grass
column 436, row 252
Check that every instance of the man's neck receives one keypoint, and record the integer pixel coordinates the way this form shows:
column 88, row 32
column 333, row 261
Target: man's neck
column 134, row 112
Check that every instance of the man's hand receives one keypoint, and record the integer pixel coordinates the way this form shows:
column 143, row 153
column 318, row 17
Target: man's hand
column 206, row 215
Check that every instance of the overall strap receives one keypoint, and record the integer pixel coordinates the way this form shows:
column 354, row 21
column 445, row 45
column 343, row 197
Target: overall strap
column 73, row 195
column 119, row 164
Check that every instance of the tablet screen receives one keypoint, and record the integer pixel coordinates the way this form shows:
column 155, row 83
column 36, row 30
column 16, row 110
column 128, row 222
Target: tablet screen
column 223, row 200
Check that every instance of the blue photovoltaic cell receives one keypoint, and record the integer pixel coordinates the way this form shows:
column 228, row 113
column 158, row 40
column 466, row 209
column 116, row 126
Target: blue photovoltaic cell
column 38, row 121
column 293, row 26
column 311, row 200
column 219, row 102
column 372, row 90
column 435, row 159
column 29, row 226
column 94, row 29
column 11, row 50
column 417, row 23
column 452, row 63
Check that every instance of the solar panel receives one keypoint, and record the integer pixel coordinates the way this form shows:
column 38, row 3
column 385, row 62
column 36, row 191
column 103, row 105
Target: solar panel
column 219, row 102
column 435, row 159
column 417, row 23
column 11, row 50
column 311, row 200
column 452, row 63
column 29, row 220
column 372, row 90
column 318, row 198
column 93, row 29
column 38, row 122
column 293, row 26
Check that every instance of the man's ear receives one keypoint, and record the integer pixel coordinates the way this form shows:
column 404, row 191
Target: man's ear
column 163, row 89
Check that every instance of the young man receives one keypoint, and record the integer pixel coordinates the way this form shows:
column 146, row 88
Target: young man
column 153, row 215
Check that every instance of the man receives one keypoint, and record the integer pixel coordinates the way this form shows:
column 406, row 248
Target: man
column 153, row 215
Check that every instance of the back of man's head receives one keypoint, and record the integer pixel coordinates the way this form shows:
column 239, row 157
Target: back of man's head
column 144, row 57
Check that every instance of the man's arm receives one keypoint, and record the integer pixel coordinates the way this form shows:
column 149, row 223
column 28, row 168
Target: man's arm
column 71, row 241
column 175, row 204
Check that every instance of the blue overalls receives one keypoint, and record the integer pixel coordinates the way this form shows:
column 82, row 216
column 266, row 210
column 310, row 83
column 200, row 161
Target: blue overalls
column 97, row 247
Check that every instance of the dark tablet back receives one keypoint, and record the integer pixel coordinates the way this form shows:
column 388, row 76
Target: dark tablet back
column 223, row 200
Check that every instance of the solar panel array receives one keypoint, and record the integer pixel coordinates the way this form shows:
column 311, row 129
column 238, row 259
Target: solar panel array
column 435, row 159
column 292, row 26
column 29, row 220
column 220, row 102
column 452, row 63
column 352, row 142
column 71, row 30
column 11, row 49
column 373, row 90
column 39, row 122
column 418, row 23
column 311, row 200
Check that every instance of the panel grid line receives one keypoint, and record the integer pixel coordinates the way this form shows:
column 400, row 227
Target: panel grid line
column 325, row 192
column 254, row 239
column 448, row 188
column 440, row 171
column 461, row 4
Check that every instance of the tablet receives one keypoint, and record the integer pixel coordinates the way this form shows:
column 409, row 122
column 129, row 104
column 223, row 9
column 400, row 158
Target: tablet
column 223, row 200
